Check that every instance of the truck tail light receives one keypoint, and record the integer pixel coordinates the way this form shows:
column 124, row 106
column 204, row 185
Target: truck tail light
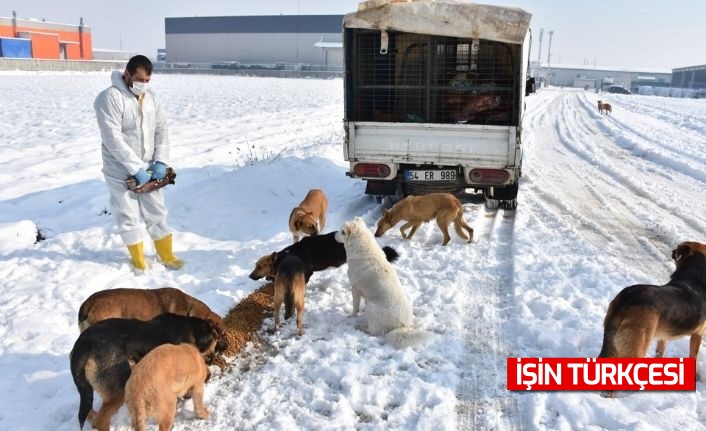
column 489, row 176
column 371, row 170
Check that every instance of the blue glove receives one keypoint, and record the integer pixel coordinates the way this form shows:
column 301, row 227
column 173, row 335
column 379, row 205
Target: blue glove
column 159, row 170
column 142, row 176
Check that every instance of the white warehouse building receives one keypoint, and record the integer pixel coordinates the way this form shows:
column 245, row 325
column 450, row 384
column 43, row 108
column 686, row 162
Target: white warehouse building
column 294, row 39
column 599, row 77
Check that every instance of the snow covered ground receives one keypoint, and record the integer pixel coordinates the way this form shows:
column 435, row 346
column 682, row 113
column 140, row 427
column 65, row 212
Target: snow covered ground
column 602, row 202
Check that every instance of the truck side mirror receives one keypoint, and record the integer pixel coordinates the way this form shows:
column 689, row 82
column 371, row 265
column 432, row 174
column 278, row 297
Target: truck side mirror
column 530, row 86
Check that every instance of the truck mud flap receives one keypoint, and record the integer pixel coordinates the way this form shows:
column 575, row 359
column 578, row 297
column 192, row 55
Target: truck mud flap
column 380, row 188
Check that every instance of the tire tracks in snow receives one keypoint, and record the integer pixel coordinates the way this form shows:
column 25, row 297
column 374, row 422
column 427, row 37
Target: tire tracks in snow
column 483, row 401
column 599, row 151
column 650, row 147
column 573, row 173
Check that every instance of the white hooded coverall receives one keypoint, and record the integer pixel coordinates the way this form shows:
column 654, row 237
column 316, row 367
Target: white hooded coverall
column 133, row 133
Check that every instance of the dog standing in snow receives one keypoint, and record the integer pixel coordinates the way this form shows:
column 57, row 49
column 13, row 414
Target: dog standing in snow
column 604, row 107
column 373, row 278
column 309, row 218
column 156, row 382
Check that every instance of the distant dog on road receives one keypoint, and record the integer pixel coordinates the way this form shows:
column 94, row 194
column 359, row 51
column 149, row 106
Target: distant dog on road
column 373, row 278
column 318, row 252
column 163, row 375
column 146, row 304
column 309, row 218
column 415, row 210
column 641, row 313
column 100, row 358
column 604, row 108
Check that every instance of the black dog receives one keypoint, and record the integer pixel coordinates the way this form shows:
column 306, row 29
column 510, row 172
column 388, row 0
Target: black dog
column 318, row 252
column 100, row 358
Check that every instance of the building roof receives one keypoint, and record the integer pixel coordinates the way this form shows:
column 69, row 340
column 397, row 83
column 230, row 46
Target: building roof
column 607, row 68
column 42, row 25
column 689, row 68
column 255, row 24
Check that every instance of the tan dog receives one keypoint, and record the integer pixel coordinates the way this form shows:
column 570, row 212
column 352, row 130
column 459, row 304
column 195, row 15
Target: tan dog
column 290, row 275
column 265, row 267
column 146, row 304
column 415, row 210
column 164, row 374
column 604, row 107
column 303, row 219
column 641, row 313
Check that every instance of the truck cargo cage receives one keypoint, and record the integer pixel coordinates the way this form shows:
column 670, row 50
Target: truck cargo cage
column 431, row 79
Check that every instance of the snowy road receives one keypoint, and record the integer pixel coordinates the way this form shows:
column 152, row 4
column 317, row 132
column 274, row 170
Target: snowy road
column 603, row 201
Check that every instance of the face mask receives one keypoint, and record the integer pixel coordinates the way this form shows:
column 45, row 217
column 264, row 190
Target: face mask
column 138, row 88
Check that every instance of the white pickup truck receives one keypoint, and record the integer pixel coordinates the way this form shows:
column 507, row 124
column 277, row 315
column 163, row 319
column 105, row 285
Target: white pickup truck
column 434, row 97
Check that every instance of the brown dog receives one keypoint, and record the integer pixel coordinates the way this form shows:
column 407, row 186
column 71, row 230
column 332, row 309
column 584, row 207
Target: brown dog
column 303, row 219
column 604, row 107
column 415, row 210
column 641, row 313
column 100, row 358
column 290, row 284
column 164, row 374
column 146, row 304
column 266, row 266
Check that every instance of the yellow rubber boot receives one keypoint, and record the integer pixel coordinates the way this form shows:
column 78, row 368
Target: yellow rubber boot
column 137, row 254
column 166, row 256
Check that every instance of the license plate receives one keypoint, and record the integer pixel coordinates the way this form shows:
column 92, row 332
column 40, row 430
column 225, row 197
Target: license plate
column 437, row 175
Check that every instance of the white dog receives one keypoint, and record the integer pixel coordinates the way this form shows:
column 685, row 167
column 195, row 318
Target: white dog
column 372, row 277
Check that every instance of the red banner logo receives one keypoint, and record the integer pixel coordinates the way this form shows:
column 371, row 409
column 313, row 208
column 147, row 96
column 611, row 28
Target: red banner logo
column 601, row 374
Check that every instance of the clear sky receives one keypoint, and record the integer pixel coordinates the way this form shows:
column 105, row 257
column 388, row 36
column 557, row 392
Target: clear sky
column 625, row 33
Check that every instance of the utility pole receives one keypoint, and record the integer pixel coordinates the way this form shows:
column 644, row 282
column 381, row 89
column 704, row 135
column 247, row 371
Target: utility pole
column 539, row 56
column 549, row 57
column 80, row 38
column 14, row 23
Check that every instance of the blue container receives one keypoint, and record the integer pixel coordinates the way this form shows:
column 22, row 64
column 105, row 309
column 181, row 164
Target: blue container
column 15, row 48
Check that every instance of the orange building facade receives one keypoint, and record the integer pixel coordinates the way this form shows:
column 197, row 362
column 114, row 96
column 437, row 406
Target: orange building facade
column 50, row 40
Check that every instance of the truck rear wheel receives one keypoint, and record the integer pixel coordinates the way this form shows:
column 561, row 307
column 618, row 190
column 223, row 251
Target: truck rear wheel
column 505, row 197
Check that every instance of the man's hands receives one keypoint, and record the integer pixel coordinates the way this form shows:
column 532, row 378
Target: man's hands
column 142, row 176
column 159, row 170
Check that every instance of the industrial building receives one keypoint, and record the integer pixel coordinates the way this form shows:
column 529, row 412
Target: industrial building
column 306, row 40
column 689, row 77
column 601, row 77
column 37, row 39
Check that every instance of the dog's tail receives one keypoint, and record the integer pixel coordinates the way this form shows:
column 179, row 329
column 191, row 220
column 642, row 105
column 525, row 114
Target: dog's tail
column 407, row 336
column 459, row 223
column 391, row 254
column 78, row 361
column 289, row 299
column 609, row 333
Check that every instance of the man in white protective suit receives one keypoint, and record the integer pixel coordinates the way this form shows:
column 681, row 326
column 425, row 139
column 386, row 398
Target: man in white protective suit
column 133, row 127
